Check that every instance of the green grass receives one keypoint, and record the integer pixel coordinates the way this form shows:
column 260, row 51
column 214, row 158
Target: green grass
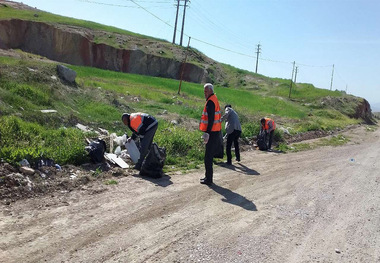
column 304, row 92
column 31, row 141
column 152, row 88
column 111, row 182
column 102, row 96
column 335, row 140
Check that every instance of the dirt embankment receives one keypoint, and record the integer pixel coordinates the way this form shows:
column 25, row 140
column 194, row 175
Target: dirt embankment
column 74, row 45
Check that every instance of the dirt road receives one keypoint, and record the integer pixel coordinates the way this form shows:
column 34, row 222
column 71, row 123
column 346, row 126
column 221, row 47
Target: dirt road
column 321, row 205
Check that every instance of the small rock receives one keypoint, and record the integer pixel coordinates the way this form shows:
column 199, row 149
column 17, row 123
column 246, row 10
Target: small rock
column 27, row 170
column 66, row 74
column 24, row 162
column 337, row 251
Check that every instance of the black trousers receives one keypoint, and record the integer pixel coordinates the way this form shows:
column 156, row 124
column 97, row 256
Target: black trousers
column 233, row 137
column 145, row 144
column 212, row 148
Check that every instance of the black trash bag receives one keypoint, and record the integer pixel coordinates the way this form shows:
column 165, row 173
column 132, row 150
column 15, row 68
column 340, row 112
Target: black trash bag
column 219, row 148
column 154, row 162
column 40, row 162
column 96, row 150
column 262, row 141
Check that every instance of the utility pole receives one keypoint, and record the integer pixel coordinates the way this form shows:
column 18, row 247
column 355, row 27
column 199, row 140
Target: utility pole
column 291, row 81
column 332, row 76
column 175, row 25
column 183, row 67
column 257, row 56
column 295, row 77
column 183, row 20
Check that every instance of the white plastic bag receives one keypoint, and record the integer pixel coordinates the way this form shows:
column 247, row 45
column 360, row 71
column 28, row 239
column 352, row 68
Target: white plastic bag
column 133, row 151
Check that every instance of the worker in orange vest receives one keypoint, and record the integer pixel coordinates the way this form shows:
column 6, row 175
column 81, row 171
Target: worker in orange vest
column 268, row 126
column 211, row 125
column 143, row 126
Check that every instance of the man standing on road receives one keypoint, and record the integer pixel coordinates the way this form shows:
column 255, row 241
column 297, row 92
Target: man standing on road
column 211, row 125
column 143, row 126
column 233, row 130
column 268, row 126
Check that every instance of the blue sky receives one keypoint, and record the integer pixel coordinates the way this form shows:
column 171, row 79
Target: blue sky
column 316, row 34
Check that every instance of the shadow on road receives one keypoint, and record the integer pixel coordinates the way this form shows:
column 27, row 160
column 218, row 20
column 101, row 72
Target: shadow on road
column 274, row 151
column 240, row 168
column 234, row 198
column 164, row 181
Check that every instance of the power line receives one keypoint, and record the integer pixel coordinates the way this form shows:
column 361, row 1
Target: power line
column 204, row 42
column 221, row 28
column 137, row 5
column 133, row 1
column 116, row 5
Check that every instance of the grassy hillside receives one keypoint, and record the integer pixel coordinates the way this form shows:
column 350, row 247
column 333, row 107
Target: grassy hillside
column 28, row 85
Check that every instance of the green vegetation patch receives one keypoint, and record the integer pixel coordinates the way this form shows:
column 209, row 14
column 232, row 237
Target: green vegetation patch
column 335, row 140
column 101, row 96
column 24, row 140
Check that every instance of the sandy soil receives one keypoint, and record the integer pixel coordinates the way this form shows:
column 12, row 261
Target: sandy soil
column 314, row 206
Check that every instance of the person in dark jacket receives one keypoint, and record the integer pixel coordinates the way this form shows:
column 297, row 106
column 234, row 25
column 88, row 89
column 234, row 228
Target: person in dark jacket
column 144, row 127
column 211, row 126
column 233, row 130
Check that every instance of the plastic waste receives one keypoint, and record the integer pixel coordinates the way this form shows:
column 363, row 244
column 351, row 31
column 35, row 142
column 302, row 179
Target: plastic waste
column 120, row 140
column 133, row 151
column 24, row 162
column 118, row 151
column 58, row 167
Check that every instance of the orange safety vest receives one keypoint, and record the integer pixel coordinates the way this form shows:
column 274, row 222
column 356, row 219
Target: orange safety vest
column 266, row 126
column 136, row 121
column 217, row 126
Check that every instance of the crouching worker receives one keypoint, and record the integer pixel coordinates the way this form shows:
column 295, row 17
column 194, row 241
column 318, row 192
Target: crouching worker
column 143, row 126
column 268, row 126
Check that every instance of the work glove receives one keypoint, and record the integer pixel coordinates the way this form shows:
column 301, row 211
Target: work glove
column 205, row 137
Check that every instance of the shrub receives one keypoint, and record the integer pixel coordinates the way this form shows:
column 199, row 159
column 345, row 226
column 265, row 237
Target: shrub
column 22, row 140
column 250, row 129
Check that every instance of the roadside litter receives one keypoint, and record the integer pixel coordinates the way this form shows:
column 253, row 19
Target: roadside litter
column 154, row 162
column 116, row 150
column 262, row 141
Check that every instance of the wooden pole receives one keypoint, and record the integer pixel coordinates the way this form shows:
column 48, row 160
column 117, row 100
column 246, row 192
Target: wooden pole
column 291, row 81
column 183, row 67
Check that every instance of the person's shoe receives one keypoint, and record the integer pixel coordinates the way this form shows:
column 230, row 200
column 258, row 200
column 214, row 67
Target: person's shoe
column 238, row 159
column 228, row 163
column 205, row 181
